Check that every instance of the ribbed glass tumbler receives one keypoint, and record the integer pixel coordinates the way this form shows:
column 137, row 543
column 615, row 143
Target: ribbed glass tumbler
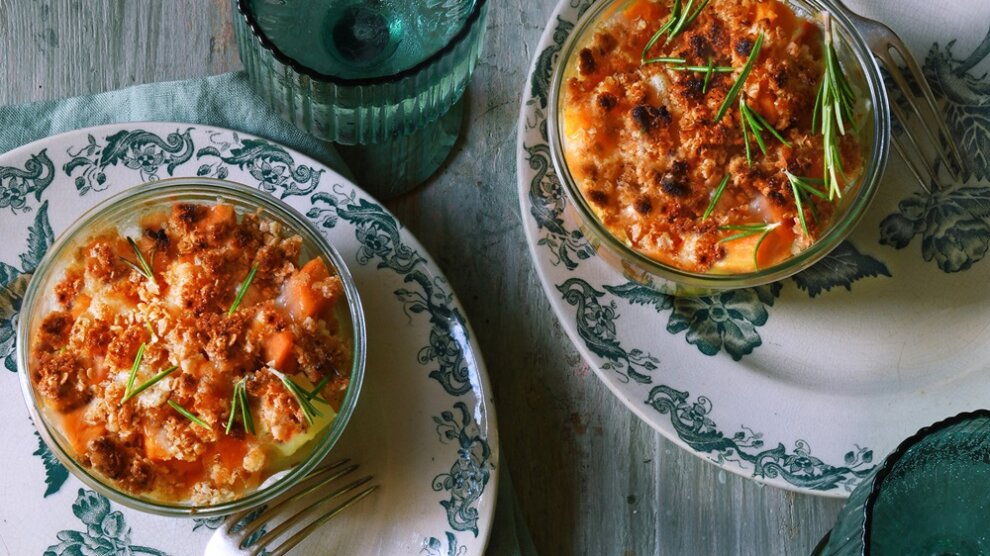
column 383, row 79
column 930, row 496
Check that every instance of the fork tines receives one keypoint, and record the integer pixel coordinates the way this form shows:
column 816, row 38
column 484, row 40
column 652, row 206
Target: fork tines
column 312, row 494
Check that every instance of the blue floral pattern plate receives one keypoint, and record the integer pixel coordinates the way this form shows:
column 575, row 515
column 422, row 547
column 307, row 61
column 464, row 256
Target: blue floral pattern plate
column 425, row 424
column 807, row 383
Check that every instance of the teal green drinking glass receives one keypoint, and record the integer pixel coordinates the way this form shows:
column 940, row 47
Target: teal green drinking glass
column 931, row 496
column 383, row 79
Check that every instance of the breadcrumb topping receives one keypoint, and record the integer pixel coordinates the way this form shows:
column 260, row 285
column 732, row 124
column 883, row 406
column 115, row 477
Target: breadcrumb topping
column 107, row 312
column 641, row 142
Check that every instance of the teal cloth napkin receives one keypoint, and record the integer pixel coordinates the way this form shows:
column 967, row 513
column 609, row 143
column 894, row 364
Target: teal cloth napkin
column 225, row 101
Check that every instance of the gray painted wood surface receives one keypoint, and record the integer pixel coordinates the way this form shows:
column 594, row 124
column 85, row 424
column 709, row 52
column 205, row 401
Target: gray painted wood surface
column 590, row 477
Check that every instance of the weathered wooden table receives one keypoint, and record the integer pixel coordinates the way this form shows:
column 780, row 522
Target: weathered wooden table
column 590, row 477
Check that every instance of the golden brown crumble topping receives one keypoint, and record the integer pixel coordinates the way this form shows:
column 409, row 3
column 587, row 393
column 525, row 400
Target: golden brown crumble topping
column 644, row 149
column 108, row 312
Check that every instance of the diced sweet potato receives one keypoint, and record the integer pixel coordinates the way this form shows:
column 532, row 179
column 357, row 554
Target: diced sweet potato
column 279, row 351
column 303, row 296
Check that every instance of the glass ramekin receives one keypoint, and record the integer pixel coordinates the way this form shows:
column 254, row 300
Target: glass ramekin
column 874, row 137
column 124, row 210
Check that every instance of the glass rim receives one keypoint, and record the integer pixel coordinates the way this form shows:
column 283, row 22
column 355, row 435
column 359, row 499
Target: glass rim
column 895, row 457
column 282, row 57
column 869, row 180
column 277, row 209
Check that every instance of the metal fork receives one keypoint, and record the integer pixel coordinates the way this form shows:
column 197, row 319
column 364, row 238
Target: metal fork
column 882, row 41
column 239, row 533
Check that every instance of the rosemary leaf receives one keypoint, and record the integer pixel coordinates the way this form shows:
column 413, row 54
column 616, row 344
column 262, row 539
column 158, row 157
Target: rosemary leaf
column 718, row 194
column 745, row 227
column 817, row 107
column 740, row 235
column 133, row 266
column 242, row 290
column 145, row 267
column 675, row 12
column 748, row 230
column 692, row 17
column 805, row 185
column 681, row 21
column 239, row 401
column 134, row 369
column 301, row 396
column 681, row 17
column 800, row 208
column 315, row 393
column 663, row 60
column 756, row 250
column 754, row 125
column 766, row 125
column 188, row 415
column 235, row 400
column 737, row 86
column 742, row 124
column 149, row 383
column 708, row 74
column 246, row 411
column 706, row 69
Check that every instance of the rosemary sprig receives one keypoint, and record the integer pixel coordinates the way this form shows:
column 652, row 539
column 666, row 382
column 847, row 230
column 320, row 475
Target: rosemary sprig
column 134, row 369
column 315, row 393
column 750, row 230
column 188, row 415
column 800, row 187
column 718, row 195
column 805, row 184
column 149, row 383
column 686, row 18
column 746, row 230
column 680, row 18
column 708, row 74
column 756, row 124
column 301, row 395
column 707, row 69
column 240, row 401
column 800, row 207
column 675, row 12
column 834, row 105
column 142, row 266
column 663, row 60
column 242, row 290
column 737, row 86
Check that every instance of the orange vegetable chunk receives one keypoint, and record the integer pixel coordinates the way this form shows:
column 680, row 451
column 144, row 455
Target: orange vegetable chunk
column 303, row 296
column 278, row 351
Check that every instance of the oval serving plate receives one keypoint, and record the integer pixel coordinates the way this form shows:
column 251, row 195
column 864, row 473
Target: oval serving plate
column 425, row 423
column 807, row 383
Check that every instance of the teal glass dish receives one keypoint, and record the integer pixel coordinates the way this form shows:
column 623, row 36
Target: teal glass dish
column 383, row 79
column 930, row 496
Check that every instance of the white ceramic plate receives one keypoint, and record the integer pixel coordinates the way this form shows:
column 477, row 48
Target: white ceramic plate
column 424, row 425
column 804, row 384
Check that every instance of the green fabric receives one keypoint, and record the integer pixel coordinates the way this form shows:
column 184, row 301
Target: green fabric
column 224, row 101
